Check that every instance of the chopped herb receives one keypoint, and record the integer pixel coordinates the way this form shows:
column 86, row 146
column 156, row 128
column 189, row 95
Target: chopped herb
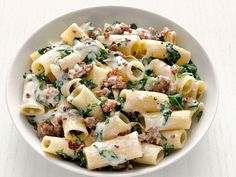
column 44, row 50
column 107, row 121
column 138, row 85
column 88, row 109
column 78, row 158
column 172, row 54
column 166, row 112
column 58, row 84
column 57, row 97
column 177, row 101
column 191, row 68
column 193, row 103
column 103, row 53
column 136, row 128
column 64, row 52
column 99, row 135
column 43, row 80
column 47, row 106
column 90, row 58
column 62, row 154
column 103, row 99
column 121, row 102
column 88, row 83
column 149, row 72
column 106, row 153
column 133, row 26
column 168, row 149
column 199, row 116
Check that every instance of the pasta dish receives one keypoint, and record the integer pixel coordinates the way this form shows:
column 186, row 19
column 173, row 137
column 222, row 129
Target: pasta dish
column 110, row 98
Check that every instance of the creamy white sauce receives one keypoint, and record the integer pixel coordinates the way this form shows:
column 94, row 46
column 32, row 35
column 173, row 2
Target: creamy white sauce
column 99, row 130
column 85, row 49
column 116, row 61
column 70, row 98
column 109, row 156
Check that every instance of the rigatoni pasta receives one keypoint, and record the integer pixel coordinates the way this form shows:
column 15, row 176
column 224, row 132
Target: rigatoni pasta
column 112, row 98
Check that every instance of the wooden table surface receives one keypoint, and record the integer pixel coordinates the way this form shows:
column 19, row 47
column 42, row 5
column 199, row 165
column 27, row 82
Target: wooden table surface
column 212, row 22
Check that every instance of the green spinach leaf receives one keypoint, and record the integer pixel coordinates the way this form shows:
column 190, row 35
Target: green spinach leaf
column 177, row 101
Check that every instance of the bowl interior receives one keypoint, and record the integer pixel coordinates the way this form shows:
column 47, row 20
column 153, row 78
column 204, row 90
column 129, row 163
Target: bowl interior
column 98, row 16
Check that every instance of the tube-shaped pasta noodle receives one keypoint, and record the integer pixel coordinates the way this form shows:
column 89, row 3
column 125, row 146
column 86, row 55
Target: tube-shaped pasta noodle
column 66, row 63
column 42, row 64
column 152, row 48
column 161, row 68
column 112, row 127
column 53, row 145
column 133, row 71
column 177, row 120
column 184, row 84
column 198, row 90
column 185, row 55
column 89, row 140
column 68, row 87
column 157, row 49
column 97, row 75
column 127, row 44
column 142, row 101
column 72, row 32
column 29, row 105
column 152, row 154
column 34, row 56
column 170, row 36
column 177, row 138
column 122, row 148
column 82, row 97
column 74, row 127
column 196, row 110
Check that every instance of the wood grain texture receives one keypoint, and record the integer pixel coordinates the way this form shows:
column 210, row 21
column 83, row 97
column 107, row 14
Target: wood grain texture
column 212, row 22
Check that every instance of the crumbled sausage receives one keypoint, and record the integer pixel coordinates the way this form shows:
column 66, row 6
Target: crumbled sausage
column 49, row 94
column 114, row 80
column 175, row 69
column 118, row 28
column 152, row 136
column 113, row 46
column 164, row 85
column 103, row 92
column 109, row 106
column 76, row 146
column 80, row 70
column 46, row 128
column 90, row 122
column 94, row 33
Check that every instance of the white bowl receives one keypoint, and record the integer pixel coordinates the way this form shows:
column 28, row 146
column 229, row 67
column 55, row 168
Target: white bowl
column 99, row 15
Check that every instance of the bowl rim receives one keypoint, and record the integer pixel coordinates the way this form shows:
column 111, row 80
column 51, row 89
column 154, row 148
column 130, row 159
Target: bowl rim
column 96, row 173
